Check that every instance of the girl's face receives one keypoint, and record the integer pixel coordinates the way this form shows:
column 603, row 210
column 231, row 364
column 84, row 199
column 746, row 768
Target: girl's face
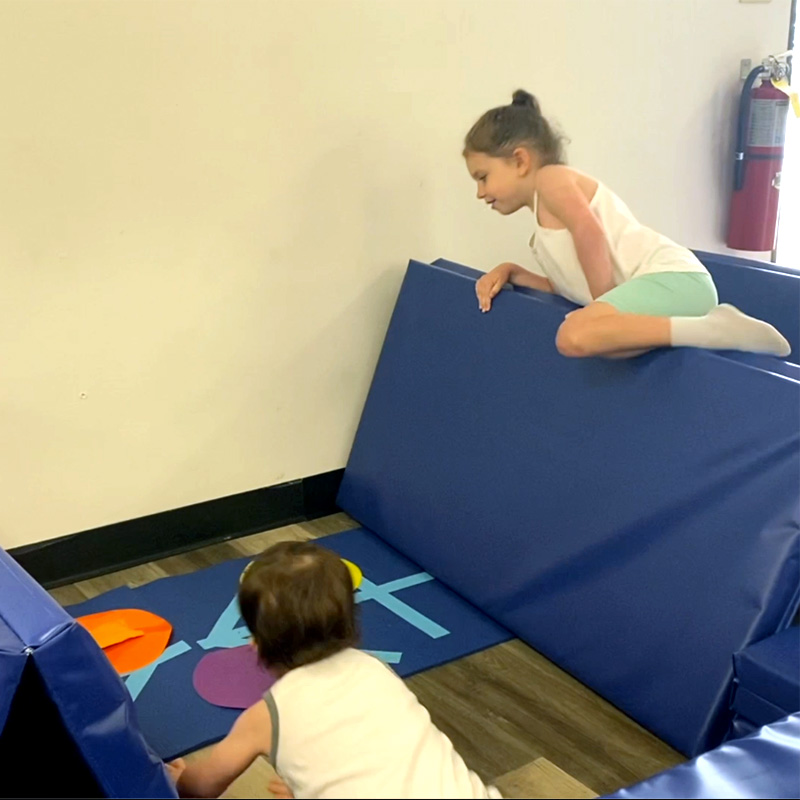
column 503, row 183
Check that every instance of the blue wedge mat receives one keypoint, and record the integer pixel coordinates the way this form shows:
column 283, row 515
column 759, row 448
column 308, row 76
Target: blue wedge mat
column 407, row 618
column 94, row 706
column 765, row 764
column 638, row 518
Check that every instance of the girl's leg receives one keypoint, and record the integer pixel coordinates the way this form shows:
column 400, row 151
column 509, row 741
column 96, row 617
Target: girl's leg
column 602, row 329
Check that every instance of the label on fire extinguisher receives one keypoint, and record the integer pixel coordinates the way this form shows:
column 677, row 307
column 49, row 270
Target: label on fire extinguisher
column 768, row 122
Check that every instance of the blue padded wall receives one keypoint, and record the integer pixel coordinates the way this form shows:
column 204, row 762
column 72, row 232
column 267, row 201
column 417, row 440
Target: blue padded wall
column 635, row 521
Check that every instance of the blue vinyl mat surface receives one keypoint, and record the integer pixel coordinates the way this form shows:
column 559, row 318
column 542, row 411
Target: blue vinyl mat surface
column 640, row 515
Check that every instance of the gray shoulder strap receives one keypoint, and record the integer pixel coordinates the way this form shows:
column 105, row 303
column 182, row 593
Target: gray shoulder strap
column 273, row 715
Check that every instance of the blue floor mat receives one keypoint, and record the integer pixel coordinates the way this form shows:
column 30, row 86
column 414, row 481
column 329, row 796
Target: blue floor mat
column 412, row 621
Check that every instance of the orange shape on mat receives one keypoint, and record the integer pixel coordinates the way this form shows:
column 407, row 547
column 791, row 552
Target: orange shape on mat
column 114, row 632
column 130, row 637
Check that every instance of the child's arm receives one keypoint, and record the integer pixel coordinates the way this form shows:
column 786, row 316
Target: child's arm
column 519, row 276
column 559, row 191
column 492, row 282
column 249, row 738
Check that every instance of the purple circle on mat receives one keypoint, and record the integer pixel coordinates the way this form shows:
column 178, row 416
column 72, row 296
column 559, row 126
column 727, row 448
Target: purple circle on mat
column 232, row 678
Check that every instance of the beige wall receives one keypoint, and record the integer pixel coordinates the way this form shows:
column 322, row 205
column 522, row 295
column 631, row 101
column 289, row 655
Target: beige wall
column 206, row 210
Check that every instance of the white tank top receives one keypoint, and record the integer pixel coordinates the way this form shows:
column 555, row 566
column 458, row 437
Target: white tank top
column 635, row 249
column 347, row 726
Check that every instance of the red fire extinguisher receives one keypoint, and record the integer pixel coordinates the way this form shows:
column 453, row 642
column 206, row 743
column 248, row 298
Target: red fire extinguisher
column 761, row 133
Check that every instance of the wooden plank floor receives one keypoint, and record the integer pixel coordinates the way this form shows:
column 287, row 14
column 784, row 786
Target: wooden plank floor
column 518, row 721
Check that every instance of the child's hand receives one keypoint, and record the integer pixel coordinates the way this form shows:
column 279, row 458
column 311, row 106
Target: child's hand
column 490, row 284
column 279, row 789
column 175, row 769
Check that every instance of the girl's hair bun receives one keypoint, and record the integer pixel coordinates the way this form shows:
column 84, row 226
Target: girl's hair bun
column 525, row 99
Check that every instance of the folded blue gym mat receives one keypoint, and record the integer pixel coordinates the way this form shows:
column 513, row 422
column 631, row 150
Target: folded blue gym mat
column 94, row 706
column 764, row 764
column 767, row 682
column 636, row 521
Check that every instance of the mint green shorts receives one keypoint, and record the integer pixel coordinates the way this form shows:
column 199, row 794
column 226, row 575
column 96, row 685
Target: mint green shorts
column 665, row 294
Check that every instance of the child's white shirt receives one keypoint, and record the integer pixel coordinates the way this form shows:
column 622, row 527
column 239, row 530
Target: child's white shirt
column 347, row 726
column 635, row 249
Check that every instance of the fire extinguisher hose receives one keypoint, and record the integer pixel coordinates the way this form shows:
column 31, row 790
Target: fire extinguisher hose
column 741, row 127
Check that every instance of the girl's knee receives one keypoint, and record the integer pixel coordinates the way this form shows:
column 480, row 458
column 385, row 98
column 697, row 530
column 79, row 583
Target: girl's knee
column 577, row 337
column 571, row 340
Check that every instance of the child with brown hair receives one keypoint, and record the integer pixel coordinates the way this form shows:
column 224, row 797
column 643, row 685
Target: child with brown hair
column 639, row 290
column 337, row 722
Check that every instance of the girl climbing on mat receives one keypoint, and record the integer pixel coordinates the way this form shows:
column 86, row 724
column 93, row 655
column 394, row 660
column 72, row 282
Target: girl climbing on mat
column 337, row 722
column 639, row 290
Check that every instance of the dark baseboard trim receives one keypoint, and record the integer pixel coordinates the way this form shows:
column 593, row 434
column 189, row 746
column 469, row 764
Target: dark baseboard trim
column 95, row 552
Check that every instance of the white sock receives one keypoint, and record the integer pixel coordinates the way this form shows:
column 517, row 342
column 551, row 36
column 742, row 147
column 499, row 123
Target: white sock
column 727, row 328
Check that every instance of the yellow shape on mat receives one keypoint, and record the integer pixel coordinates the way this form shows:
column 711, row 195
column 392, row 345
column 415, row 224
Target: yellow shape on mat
column 244, row 571
column 355, row 573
